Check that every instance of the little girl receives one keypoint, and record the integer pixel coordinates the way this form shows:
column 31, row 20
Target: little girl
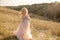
column 23, row 31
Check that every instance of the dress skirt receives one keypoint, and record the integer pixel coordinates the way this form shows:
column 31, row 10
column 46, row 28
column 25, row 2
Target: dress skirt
column 23, row 31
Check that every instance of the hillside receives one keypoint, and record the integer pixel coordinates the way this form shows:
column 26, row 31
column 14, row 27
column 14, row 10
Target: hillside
column 49, row 10
column 9, row 19
column 41, row 29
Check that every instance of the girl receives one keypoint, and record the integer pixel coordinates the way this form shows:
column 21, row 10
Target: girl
column 23, row 31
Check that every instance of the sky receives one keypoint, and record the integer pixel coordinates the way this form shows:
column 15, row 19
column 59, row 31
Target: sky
column 23, row 2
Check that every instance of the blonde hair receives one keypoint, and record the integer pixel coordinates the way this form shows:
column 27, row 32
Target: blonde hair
column 25, row 9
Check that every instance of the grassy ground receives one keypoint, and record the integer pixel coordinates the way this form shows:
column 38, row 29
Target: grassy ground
column 41, row 29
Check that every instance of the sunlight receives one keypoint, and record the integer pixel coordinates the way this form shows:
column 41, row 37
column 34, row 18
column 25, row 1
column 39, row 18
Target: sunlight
column 24, row 2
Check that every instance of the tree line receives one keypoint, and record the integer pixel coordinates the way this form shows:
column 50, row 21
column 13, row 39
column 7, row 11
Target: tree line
column 49, row 10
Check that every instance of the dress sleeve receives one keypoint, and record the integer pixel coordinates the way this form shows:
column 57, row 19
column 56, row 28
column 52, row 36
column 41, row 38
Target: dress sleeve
column 28, row 17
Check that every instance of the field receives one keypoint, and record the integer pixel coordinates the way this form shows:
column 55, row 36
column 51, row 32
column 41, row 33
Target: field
column 41, row 28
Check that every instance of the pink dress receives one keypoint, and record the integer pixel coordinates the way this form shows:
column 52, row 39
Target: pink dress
column 23, row 31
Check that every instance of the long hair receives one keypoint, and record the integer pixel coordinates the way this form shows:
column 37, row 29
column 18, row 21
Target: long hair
column 24, row 13
column 24, row 9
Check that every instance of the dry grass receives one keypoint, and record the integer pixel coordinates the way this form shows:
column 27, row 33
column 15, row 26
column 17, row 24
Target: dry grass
column 41, row 29
column 45, row 30
column 9, row 20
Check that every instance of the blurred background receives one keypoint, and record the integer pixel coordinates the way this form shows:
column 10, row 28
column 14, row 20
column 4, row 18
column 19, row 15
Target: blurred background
column 45, row 18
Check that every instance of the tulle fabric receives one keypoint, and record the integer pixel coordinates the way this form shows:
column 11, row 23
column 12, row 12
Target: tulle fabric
column 23, row 31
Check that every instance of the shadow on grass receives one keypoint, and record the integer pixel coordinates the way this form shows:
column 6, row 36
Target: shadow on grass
column 10, row 38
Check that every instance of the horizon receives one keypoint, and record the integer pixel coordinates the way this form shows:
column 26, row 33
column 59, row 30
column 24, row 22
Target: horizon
column 24, row 2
